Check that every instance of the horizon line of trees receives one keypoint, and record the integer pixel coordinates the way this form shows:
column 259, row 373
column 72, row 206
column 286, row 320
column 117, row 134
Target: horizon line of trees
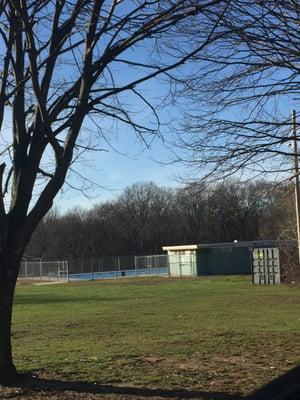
column 145, row 217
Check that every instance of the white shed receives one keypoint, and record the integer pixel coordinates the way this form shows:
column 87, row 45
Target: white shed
column 182, row 260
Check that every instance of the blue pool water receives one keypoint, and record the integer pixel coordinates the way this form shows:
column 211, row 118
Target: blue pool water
column 118, row 274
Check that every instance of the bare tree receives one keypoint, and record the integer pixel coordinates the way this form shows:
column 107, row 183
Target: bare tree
column 226, row 211
column 241, row 90
column 143, row 216
column 64, row 60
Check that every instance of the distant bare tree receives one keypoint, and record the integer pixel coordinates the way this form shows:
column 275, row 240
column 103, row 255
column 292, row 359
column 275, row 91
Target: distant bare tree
column 143, row 215
column 225, row 211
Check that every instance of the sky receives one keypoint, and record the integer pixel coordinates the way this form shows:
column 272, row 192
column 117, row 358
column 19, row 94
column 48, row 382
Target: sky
column 126, row 160
column 114, row 172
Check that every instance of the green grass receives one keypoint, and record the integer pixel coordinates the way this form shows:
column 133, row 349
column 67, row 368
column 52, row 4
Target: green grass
column 222, row 334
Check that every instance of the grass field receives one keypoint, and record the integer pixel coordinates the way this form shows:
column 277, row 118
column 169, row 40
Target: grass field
column 210, row 335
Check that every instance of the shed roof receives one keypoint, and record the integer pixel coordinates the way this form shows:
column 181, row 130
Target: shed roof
column 252, row 243
column 181, row 247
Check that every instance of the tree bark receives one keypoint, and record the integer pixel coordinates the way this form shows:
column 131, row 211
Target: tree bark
column 8, row 277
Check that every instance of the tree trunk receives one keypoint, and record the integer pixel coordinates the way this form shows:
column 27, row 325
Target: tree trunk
column 8, row 277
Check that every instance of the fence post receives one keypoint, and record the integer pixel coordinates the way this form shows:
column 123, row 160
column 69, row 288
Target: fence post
column 67, row 269
column 41, row 271
column 180, row 266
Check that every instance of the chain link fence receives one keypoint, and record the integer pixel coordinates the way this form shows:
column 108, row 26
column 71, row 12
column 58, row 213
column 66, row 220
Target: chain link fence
column 93, row 268
column 44, row 271
column 116, row 267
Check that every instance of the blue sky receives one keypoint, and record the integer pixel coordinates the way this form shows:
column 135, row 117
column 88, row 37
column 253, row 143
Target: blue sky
column 131, row 161
column 115, row 177
column 114, row 172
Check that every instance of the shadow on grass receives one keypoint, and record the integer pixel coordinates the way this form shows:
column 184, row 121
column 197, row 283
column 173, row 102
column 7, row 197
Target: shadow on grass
column 285, row 387
column 45, row 299
column 36, row 384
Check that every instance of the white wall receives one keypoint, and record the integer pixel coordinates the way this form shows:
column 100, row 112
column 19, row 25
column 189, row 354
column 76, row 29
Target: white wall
column 182, row 262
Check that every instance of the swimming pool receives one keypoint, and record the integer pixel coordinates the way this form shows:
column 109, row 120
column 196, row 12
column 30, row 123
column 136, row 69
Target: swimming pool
column 117, row 274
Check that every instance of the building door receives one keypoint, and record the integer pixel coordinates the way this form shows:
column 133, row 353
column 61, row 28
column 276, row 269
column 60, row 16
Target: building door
column 182, row 262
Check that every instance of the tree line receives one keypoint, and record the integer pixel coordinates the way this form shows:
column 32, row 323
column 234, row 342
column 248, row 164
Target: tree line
column 145, row 217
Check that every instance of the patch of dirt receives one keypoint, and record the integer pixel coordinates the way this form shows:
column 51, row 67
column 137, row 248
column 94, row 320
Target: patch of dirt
column 233, row 363
column 48, row 386
column 51, row 387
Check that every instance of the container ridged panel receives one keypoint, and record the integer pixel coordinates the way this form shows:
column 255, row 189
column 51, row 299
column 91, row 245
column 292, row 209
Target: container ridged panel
column 265, row 266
